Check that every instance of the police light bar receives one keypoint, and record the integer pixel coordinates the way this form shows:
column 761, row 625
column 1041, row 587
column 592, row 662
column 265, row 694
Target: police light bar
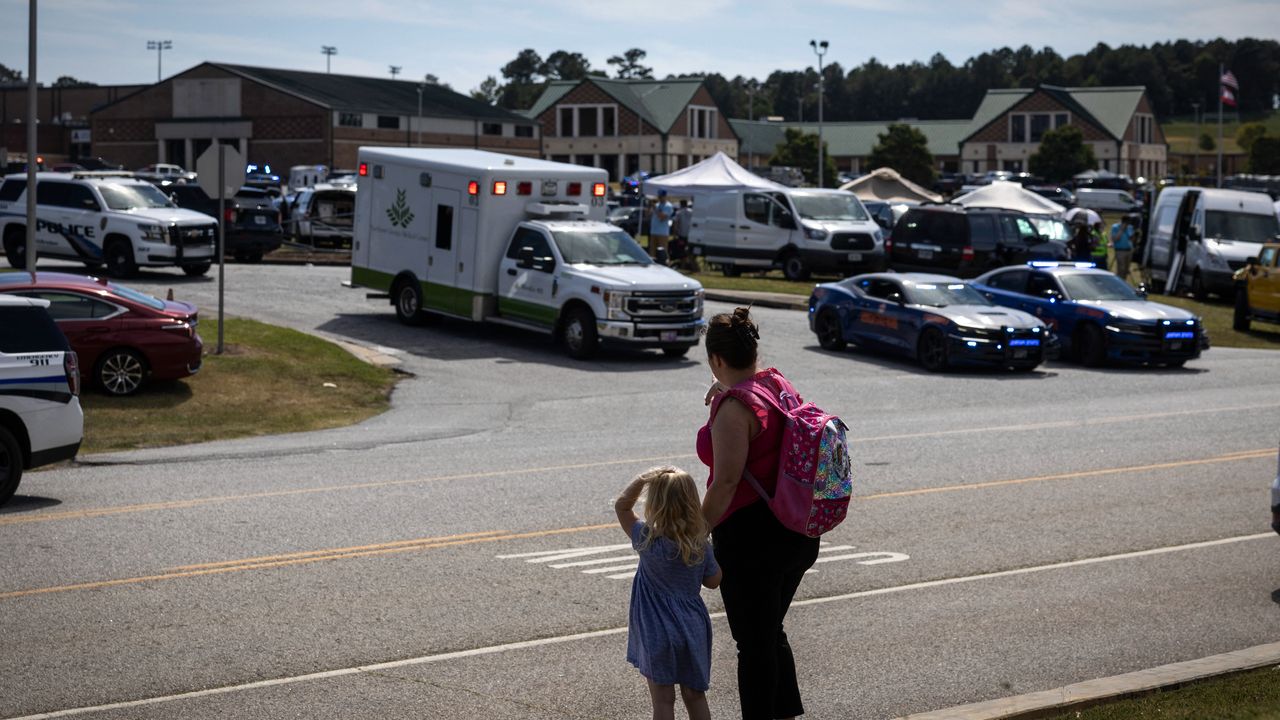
column 499, row 187
column 597, row 190
column 1055, row 263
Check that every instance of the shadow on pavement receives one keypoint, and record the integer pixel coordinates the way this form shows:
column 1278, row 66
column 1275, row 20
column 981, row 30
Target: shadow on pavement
column 893, row 361
column 451, row 339
column 27, row 503
column 1275, row 596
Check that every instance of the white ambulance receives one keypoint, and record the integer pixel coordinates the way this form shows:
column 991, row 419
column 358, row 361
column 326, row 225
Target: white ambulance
column 515, row 241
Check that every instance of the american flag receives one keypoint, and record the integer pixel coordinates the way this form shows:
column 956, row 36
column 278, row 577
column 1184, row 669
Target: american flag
column 1229, row 80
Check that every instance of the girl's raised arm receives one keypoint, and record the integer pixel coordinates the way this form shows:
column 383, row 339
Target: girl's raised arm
column 625, row 502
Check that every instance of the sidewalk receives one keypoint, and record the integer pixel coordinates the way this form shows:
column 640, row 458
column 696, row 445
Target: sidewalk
column 783, row 301
column 1095, row 692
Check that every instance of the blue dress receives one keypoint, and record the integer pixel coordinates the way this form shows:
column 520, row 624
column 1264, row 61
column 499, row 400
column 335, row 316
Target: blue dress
column 669, row 633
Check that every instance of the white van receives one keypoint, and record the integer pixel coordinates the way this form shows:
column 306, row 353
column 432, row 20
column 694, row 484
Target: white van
column 305, row 176
column 797, row 230
column 514, row 241
column 1216, row 230
column 1106, row 200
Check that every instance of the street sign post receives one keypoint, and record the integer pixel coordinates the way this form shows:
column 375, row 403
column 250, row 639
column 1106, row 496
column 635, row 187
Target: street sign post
column 220, row 171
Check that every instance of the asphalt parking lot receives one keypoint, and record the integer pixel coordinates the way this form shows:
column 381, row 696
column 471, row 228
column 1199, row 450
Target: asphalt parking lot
column 458, row 555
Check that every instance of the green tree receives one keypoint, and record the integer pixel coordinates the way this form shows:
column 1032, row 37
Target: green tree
column 1206, row 142
column 562, row 65
column 523, row 84
column 489, row 91
column 1061, row 155
column 629, row 66
column 800, row 150
column 9, row 75
column 1264, row 156
column 66, row 81
column 1248, row 133
column 905, row 149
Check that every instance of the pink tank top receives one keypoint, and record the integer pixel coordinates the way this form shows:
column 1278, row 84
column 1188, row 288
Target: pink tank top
column 762, row 452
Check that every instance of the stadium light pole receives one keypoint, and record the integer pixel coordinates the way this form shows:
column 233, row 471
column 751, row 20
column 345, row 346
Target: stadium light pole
column 395, row 70
column 328, row 51
column 421, row 86
column 159, row 46
column 752, row 87
column 819, row 49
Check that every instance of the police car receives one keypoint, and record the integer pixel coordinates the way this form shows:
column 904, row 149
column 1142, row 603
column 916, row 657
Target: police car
column 1097, row 316
column 40, row 418
column 105, row 218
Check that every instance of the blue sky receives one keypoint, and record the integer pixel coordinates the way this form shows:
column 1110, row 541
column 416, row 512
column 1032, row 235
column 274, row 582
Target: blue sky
column 104, row 41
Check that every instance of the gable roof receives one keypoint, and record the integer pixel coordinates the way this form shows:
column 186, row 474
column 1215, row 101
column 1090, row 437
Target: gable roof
column 1108, row 108
column 1112, row 107
column 658, row 102
column 849, row 139
column 371, row 94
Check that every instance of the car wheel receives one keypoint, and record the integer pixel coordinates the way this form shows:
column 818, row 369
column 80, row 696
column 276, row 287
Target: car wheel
column 578, row 332
column 1197, row 287
column 730, row 270
column 10, row 465
column 121, row 372
column 1174, row 364
column 15, row 247
column 1091, row 348
column 196, row 270
column 408, row 300
column 119, row 259
column 676, row 352
column 827, row 327
column 932, row 350
column 1240, row 320
column 793, row 267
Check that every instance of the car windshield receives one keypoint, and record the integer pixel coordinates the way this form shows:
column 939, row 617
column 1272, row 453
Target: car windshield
column 133, row 197
column 599, row 247
column 944, row 294
column 828, row 206
column 1096, row 287
column 1052, row 228
column 1241, row 226
column 139, row 297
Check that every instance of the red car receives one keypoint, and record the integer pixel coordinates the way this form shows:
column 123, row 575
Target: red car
column 123, row 337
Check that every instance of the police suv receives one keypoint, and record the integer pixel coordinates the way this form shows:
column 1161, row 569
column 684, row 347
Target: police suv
column 40, row 418
column 105, row 218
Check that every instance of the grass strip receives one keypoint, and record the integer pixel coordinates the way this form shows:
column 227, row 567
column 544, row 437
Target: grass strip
column 1253, row 695
column 270, row 380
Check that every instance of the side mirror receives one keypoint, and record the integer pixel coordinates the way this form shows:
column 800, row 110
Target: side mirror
column 1051, row 295
column 1251, row 260
column 1194, row 233
column 525, row 259
column 91, row 204
column 544, row 264
column 895, row 297
column 1142, row 291
column 787, row 220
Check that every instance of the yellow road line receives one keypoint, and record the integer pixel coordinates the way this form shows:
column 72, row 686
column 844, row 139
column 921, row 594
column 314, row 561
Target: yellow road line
column 357, row 548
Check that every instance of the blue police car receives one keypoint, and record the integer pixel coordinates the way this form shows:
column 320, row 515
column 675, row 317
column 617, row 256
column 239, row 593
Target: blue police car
column 936, row 319
column 1097, row 316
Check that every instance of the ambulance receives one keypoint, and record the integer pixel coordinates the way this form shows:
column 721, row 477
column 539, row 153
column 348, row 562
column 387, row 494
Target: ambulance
column 513, row 241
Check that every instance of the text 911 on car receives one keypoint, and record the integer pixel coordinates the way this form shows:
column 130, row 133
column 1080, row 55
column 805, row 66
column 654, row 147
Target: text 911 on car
column 1098, row 316
column 937, row 319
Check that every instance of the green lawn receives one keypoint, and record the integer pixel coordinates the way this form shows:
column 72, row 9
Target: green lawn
column 1253, row 695
column 1184, row 137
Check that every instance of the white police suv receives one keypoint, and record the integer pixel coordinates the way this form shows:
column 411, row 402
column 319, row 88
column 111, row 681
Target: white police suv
column 105, row 218
column 40, row 418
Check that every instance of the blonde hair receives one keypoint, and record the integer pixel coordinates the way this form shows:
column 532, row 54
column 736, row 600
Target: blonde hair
column 672, row 510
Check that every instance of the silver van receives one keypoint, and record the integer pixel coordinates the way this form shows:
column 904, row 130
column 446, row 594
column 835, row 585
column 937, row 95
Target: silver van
column 1106, row 200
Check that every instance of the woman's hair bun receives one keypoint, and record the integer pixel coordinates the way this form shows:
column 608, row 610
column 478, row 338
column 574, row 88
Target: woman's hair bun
column 743, row 325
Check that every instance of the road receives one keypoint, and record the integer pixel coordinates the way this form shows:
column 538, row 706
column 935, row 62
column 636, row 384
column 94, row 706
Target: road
column 457, row 556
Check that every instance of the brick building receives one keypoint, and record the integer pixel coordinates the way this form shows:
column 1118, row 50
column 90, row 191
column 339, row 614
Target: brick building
column 658, row 126
column 849, row 144
column 63, row 113
column 287, row 117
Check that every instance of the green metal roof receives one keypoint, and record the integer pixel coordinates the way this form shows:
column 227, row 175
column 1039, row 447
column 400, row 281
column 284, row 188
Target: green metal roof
column 996, row 103
column 849, row 139
column 659, row 102
column 374, row 95
column 1112, row 107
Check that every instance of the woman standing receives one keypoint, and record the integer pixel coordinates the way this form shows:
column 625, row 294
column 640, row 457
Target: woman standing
column 763, row 562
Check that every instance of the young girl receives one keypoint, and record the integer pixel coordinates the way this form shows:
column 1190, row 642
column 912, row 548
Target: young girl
column 669, row 634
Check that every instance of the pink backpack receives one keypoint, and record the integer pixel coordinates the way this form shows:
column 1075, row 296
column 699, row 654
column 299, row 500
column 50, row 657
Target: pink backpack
column 815, row 481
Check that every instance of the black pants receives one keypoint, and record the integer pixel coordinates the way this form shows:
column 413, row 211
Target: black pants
column 763, row 563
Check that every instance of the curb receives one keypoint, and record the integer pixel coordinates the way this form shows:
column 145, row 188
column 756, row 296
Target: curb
column 375, row 355
column 781, row 301
column 1095, row 692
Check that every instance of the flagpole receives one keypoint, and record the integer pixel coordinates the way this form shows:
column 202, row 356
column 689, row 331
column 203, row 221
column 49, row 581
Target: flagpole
column 1221, row 71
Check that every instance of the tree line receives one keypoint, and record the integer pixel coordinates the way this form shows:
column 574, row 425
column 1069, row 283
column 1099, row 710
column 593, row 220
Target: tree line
column 1177, row 75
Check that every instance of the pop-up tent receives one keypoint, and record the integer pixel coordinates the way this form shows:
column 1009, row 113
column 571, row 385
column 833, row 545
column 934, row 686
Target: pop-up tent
column 715, row 174
column 887, row 185
column 1009, row 196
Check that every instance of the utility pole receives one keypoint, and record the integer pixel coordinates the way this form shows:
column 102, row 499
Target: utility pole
column 395, row 70
column 328, row 51
column 159, row 46
column 421, row 86
column 819, row 49
column 32, row 156
column 752, row 86
column 1195, row 153
column 1221, row 70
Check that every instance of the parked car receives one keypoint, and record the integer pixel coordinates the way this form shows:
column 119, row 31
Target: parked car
column 952, row 240
column 1107, row 200
column 1097, row 316
column 322, row 215
column 1258, row 289
column 627, row 218
column 97, row 163
column 1060, row 195
column 124, row 337
column 936, row 319
column 40, row 418
column 164, row 174
column 251, row 221
column 67, row 167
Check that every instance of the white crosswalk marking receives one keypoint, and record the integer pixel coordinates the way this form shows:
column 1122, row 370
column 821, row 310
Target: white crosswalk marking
column 614, row 568
column 597, row 561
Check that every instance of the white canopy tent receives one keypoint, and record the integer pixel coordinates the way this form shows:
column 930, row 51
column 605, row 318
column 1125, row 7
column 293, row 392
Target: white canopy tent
column 1009, row 196
column 715, row 174
column 888, row 185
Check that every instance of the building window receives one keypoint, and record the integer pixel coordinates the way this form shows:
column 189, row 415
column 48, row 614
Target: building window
column 1017, row 128
column 350, row 119
column 702, row 122
column 524, row 131
column 491, row 128
column 1031, row 127
column 388, row 122
column 1059, row 120
column 1145, row 129
column 1040, row 124
column 588, row 121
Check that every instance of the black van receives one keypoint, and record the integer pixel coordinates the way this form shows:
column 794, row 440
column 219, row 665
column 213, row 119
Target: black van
column 953, row 240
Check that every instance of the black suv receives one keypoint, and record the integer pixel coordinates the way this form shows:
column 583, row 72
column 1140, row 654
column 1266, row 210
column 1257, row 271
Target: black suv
column 252, row 223
column 952, row 240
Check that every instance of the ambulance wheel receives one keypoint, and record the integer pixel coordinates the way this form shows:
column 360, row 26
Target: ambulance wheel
column 15, row 247
column 578, row 332
column 196, row 270
column 119, row 258
column 407, row 296
column 10, row 464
